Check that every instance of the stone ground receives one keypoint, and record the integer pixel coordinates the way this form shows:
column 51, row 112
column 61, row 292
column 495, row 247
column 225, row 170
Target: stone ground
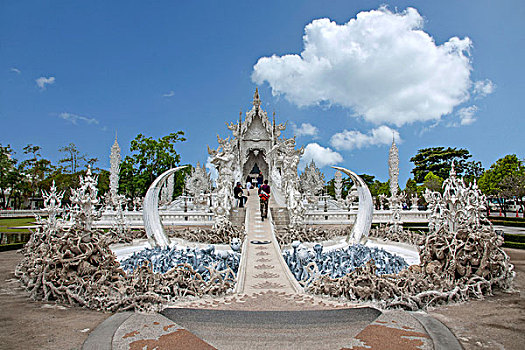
column 27, row 324
column 495, row 323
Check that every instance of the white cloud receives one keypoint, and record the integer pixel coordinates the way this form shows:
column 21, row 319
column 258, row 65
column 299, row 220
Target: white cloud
column 43, row 81
column 74, row 119
column 306, row 129
column 169, row 94
column 351, row 139
column 381, row 64
column 466, row 115
column 15, row 70
column 483, row 88
column 322, row 156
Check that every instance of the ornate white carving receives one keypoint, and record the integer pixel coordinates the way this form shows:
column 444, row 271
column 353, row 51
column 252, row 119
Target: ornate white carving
column 461, row 207
column 393, row 168
column 84, row 200
column 52, row 209
column 352, row 198
column 224, row 161
column 338, row 185
column 114, row 170
column 311, row 180
column 199, row 181
column 395, row 200
column 290, row 181
column 414, row 200
column 170, row 184
column 164, row 194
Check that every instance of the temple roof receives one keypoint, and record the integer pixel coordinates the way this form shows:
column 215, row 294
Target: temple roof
column 256, row 115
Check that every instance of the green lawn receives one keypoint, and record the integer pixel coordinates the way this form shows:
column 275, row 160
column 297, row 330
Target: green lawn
column 6, row 223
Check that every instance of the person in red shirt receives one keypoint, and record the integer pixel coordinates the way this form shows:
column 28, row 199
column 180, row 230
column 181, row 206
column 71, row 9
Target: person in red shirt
column 264, row 197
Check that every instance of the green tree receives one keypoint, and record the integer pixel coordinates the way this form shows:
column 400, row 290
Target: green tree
column 492, row 182
column 472, row 171
column 36, row 167
column 148, row 160
column 378, row 187
column 411, row 188
column 10, row 177
column 513, row 186
column 438, row 160
column 103, row 182
column 63, row 182
column 72, row 157
column 433, row 182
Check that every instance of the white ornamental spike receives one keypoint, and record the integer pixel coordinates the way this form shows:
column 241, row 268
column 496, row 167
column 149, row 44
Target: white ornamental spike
column 150, row 212
column 363, row 222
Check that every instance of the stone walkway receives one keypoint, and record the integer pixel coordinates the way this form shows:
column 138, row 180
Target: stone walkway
column 263, row 267
column 265, row 283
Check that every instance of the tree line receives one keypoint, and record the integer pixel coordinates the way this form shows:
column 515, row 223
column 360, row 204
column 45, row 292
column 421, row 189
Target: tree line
column 22, row 182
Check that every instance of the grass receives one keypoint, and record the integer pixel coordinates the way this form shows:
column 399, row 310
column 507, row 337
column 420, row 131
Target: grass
column 6, row 224
column 508, row 223
column 514, row 241
column 12, row 246
column 509, row 237
column 510, row 217
column 516, row 245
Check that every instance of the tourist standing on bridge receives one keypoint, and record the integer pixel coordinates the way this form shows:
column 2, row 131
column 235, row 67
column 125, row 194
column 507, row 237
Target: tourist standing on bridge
column 238, row 193
column 264, row 197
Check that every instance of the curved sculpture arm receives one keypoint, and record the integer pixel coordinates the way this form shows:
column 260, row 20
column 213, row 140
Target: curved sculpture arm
column 150, row 211
column 365, row 212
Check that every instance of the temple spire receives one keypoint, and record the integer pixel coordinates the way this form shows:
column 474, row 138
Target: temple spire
column 256, row 99
column 393, row 167
column 114, row 170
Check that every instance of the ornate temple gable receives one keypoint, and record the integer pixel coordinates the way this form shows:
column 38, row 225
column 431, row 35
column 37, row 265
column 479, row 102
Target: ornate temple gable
column 257, row 125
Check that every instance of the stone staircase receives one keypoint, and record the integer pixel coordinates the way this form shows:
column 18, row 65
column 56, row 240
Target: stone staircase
column 237, row 216
column 280, row 216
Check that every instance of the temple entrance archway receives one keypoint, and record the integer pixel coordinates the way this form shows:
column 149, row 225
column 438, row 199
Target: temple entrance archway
column 255, row 160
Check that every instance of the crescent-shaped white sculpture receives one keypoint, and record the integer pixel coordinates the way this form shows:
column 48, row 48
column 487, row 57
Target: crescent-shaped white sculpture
column 150, row 212
column 365, row 211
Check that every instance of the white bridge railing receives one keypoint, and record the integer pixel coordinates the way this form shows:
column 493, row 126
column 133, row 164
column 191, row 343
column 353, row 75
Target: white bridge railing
column 168, row 218
column 317, row 217
column 19, row 213
column 179, row 218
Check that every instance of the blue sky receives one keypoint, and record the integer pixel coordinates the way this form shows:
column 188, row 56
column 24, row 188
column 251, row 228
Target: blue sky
column 80, row 71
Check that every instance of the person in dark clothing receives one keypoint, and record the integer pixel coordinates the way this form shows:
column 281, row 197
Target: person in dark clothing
column 238, row 193
column 260, row 179
column 264, row 198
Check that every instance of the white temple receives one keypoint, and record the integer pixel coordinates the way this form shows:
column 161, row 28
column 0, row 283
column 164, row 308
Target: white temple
column 256, row 145
column 252, row 142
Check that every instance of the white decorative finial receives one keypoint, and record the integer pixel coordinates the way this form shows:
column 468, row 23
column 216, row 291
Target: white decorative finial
column 256, row 99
